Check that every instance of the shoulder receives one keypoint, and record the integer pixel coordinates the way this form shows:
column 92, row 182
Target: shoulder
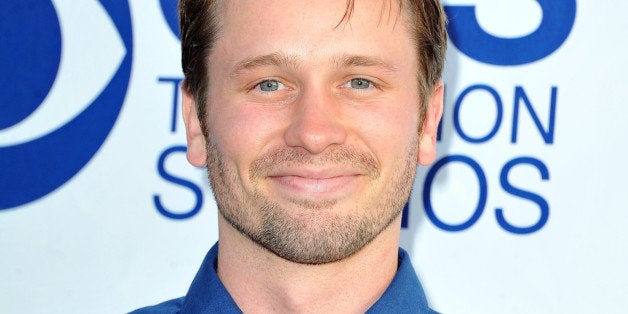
column 168, row 307
column 206, row 294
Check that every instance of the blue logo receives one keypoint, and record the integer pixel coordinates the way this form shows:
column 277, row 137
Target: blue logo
column 54, row 118
column 467, row 34
column 169, row 10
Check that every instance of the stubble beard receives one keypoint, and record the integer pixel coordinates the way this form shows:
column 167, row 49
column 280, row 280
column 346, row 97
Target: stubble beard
column 310, row 232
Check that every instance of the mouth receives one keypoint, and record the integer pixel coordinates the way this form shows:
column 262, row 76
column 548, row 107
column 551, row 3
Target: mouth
column 319, row 185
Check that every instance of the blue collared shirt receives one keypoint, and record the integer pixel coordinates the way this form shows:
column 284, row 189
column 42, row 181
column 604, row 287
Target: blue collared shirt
column 208, row 295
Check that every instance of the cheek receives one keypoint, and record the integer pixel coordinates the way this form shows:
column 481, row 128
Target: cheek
column 391, row 132
column 242, row 132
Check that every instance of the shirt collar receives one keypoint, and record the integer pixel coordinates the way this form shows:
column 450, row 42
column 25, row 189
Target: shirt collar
column 207, row 294
column 405, row 293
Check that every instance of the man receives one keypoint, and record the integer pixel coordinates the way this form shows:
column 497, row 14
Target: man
column 311, row 117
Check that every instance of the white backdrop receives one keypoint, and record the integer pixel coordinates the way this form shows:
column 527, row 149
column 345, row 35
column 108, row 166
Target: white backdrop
column 95, row 241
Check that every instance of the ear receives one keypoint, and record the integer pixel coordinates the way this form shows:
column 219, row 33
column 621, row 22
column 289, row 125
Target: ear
column 427, row 141
column 197, row 148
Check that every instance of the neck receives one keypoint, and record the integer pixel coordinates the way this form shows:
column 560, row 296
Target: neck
column 261, row 282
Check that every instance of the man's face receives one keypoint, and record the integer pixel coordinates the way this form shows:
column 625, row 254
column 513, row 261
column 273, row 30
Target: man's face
column 312, row 126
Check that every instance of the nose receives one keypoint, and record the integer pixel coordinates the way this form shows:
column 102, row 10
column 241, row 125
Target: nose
column 316, row 123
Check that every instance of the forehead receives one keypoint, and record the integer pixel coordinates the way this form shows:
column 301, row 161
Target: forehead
column 312, row 29
column 334, row 11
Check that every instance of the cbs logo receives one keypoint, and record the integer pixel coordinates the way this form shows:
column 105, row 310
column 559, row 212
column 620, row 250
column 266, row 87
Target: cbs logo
column 65, row 72
column 558, row 17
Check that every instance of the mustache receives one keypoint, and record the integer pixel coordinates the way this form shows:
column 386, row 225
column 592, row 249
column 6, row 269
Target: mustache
column 338, row 156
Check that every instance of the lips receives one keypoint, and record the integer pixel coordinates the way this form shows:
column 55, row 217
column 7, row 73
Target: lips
column 296, row 175
column 325, row 184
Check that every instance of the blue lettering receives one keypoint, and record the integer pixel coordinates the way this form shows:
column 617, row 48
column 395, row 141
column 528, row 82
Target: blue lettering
column 427, row 188
column 439, row 131
column 178, row 181
column 548, row 135
column 498, row 119
column 509, row 188
column 467, row 34
column 404, row 215
column 175, row 82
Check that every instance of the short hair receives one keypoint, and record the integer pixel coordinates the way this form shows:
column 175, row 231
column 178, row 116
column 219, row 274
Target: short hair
column 200, row 27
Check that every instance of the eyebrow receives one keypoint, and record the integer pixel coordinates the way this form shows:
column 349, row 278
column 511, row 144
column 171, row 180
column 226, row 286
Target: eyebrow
column 278, row 59
column 364, row 61
column 274, row 59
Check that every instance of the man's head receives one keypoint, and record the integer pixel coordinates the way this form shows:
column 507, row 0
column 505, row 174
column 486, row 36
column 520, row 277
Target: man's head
column 312, row 115
column 200, row 23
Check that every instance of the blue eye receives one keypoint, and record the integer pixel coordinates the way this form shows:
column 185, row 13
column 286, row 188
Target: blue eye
column 269, row 86
column 360, row 83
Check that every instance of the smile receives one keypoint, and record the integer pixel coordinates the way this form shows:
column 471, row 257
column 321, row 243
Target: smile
column 325, row 184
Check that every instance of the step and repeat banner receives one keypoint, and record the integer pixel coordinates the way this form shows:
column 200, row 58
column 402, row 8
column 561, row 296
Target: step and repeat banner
column 524, row 210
